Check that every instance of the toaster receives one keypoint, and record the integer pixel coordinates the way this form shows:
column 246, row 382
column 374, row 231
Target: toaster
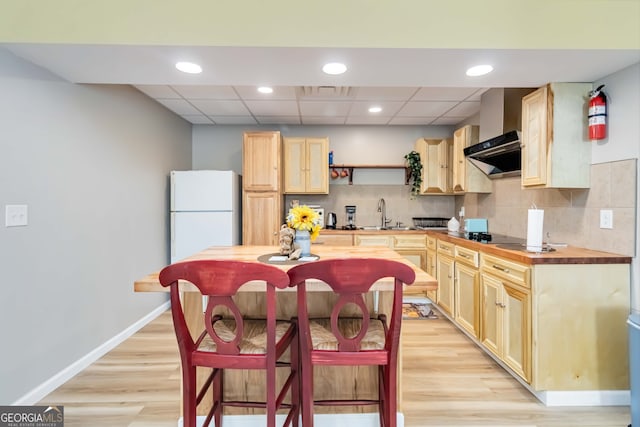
column 476, row 225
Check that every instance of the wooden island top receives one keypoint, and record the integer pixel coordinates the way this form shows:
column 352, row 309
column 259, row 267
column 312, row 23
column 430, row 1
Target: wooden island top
column 150, row 282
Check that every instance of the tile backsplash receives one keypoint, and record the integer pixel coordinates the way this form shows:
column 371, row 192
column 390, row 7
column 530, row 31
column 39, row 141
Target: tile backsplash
column 400, row 207
column 570, row 215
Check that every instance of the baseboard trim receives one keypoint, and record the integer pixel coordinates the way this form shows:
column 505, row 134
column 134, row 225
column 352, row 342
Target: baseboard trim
column 39, row 392
column 585, row 398
column 319, row 420
column 556, row 398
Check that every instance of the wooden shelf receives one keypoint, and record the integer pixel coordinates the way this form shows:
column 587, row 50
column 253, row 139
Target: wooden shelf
column 351, row 168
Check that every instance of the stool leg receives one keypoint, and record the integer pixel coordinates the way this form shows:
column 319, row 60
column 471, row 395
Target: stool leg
column 189, row 395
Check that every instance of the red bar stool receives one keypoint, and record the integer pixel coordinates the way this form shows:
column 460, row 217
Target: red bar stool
column 341, row 341
column 233, row 342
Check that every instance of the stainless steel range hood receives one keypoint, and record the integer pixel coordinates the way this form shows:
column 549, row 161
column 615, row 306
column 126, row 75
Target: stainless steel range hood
column 497, row 157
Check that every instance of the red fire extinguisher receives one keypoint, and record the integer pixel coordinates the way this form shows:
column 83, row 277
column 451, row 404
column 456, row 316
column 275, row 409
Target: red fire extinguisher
column 597, row 114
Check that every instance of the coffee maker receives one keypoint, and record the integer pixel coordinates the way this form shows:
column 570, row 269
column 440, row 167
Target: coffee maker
column 351, row 217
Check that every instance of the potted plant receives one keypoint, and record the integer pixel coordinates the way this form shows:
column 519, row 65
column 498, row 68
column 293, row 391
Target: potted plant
column 414, row 172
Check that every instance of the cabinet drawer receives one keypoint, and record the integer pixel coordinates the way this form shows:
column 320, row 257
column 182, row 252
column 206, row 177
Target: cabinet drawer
column 509, row 270
column 432, row 243
column 446, row 248
column 334, row 239
column 366, row 240
column 410, row 241
column 467, row 256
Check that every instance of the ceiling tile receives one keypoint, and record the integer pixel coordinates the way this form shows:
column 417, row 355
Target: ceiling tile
column 179, row 106
column 464, row 109
column 385, row 93
column 324, row 108
column 368, row 120
column 233, row 120
column 425, row 108
column 198, row 119
column 158, row 91
column 361, row 108
column 207, row 92
column 221, row 108
column 273, row 108
column 279, row 93
column 478, row 93
column 443, row 93
column 411, row 120
column 274, row 120
column 448, row 120
column 314, row 120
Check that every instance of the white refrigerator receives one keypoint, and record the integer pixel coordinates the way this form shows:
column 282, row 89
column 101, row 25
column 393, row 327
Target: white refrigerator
column 205, row 211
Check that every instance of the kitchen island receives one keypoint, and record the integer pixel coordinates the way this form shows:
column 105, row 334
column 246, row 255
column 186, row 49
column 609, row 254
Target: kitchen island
column 332, row 382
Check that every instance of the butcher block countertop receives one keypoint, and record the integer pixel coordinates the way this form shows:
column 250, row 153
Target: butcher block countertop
column 561, row 255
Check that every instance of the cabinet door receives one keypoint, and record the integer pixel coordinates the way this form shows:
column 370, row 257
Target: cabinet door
column 436, row 167
column 445, row 283
column 459, row 163
column 466, row 177
column 317, row 165
column 431, row 270
column 419, row 258
column 534, row 138
column 261, row 218
column 466, row 298
column 517, row 331
column 294, row 165
column 491, row 313
column 261, row 161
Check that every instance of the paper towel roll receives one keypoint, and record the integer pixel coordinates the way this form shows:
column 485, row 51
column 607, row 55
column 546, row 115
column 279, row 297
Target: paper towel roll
column 534, row 230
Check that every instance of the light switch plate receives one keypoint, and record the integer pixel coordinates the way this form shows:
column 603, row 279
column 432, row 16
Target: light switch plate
column 606, row 218
column 16, row 215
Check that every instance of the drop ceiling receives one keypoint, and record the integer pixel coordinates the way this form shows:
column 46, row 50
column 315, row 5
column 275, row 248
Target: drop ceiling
column 412, row 86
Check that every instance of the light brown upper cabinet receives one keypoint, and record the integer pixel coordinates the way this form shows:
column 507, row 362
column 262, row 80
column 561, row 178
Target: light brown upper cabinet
column 436, row 156
column 556, row 152
column 306, row 165
column 261, row 161
column 467, row 178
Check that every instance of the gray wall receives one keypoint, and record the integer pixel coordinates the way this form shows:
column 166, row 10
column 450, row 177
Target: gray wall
column 91, row 163
column 623, row 142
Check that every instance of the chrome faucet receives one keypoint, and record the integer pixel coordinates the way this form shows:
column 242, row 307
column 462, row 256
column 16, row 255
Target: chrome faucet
column 382, row 208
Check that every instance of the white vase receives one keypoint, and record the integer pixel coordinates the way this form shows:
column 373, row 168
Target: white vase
column 303, row 239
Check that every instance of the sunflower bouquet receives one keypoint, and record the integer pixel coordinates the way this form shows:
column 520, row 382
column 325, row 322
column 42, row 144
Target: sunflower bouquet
column 303, row 218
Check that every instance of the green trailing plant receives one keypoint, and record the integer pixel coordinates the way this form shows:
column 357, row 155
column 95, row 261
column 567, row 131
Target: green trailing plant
column 414, row 177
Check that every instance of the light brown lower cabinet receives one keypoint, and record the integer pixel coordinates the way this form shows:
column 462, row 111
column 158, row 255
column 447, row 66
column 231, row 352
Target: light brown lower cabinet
column 505, row 320
column 557, row 327
column 431, row 265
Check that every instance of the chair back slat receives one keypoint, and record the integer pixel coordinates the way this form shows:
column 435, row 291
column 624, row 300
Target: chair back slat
column 351, row 278
column 220, row 280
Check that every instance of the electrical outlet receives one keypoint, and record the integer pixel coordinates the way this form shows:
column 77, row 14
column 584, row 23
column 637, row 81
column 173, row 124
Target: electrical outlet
column 15, row 215
column 606, row 218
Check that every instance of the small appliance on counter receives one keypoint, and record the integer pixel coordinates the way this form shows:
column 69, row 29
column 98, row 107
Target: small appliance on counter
column 320, row 212
column 332, row 221
column 476, row 225
column 351, row 218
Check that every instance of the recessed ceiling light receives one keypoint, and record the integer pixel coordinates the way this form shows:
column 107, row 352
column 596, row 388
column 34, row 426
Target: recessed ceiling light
column 375, row 109
column 334, row 68
column 479, row 70
column 189, row 67
column 265, row 89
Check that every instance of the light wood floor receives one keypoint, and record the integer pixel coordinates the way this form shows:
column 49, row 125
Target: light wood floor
column 447, row 381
